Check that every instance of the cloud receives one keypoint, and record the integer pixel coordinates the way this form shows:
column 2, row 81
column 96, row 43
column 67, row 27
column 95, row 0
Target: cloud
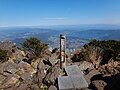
column 55, row 18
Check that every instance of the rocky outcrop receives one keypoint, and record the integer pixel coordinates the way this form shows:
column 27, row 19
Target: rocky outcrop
column 13, row 75
column 106, row 77
column 101, row 82
column 52, row 72
column 112, row 68
column 18, row 74
column 89, row 54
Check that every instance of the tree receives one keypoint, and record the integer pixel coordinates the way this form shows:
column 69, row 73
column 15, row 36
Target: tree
column 34, row 46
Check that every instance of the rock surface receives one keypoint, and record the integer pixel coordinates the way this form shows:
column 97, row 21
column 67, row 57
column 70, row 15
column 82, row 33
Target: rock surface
column 42, row 73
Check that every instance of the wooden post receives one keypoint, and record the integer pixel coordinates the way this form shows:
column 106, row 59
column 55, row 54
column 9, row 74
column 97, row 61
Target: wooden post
column 62, row 51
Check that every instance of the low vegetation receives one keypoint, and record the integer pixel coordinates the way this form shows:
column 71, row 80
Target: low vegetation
column 100, row 51
column 3, row 55
column 111, row 47
column 35, row 47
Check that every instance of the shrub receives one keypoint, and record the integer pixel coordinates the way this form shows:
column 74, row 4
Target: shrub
column 110, row 45
column 35, row 46
column 97, row 50
column 3, row 55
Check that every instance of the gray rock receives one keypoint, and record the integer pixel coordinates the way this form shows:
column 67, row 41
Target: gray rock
column 52, row 88
column 34, row 87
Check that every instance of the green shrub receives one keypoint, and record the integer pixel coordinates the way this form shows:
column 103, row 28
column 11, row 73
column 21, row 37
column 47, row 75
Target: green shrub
column 92, row 51
column 110, row 45
column 3, row 55
column 35, row 46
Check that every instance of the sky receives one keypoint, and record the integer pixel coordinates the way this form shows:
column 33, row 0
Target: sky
column 58, row 12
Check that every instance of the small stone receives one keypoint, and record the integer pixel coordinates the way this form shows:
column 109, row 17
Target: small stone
column 52, row 88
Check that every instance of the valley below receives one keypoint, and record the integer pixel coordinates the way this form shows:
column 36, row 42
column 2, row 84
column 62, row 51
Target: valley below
column 29, row 58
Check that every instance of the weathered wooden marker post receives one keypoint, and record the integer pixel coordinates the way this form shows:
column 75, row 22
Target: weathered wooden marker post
column 74, row 79
column 62, row 51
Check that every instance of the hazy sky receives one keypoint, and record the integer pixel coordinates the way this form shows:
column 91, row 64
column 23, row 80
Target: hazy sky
column 58, row 12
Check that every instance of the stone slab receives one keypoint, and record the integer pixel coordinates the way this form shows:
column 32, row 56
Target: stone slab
column 73, row 70
column 65, row 83
column 79, row 82
column 74, row 81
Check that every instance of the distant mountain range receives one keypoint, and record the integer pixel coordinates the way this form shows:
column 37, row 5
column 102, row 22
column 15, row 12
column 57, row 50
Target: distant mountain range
column 82, row 27
column 77, row 35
